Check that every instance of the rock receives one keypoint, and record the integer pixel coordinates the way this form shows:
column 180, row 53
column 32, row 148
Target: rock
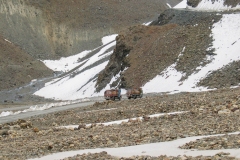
column 35, row 129
column 224, row 111
column 54, row 124
column 81, row 126
column 4, row 132
column 21, row 121
column 16, row 127
column 23, row 125
column 146, row 118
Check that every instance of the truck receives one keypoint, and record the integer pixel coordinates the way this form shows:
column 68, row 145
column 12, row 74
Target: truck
column 112, row 94
column 134, row 93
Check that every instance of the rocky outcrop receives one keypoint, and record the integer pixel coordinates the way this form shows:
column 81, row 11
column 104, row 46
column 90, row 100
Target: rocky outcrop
column 143, row 52
column 139, row 55
column 232, row 3
column 193, row 3
column 228, row 76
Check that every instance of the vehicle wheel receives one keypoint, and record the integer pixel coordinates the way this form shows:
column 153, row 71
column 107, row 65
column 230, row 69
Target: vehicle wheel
column 135, row 97
column 129, row 97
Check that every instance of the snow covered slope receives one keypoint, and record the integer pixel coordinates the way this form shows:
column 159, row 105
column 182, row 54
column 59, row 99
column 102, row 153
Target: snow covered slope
column 80, row 82
column 227, row 47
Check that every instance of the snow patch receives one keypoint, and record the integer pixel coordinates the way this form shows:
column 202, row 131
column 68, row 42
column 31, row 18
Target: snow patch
column 182, row 4
column 42, row 107
column 147, row 24
column 170, row 148
column 7, row 41
column 66, row 63
column 124, row 120
column 169, row 5
column 81, row 85
column 108, row 39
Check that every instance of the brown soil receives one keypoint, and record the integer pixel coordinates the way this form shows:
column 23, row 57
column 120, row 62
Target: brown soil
column 17, row 67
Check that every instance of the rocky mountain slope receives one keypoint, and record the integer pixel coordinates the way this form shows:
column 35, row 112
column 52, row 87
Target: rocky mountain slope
column 147, row 50
column 46, row 29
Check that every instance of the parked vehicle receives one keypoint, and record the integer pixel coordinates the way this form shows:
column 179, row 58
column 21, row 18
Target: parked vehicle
column 134, row 93
column 112, row 94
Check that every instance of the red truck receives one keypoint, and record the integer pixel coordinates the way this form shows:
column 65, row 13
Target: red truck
column 112, row 94
column 134, row 93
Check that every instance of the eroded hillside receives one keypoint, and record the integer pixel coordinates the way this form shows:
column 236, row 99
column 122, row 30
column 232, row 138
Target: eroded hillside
column 148, row 50
column 43, row 29
column 17, row 67
column 180, row 38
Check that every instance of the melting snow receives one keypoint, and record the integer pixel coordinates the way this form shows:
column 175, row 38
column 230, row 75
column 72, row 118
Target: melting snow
column 41, row 107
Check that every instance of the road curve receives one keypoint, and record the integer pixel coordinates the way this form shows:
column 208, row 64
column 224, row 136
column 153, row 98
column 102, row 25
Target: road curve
column 25, row 115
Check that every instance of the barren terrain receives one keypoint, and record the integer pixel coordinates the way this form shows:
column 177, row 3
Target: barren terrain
column 206, row 113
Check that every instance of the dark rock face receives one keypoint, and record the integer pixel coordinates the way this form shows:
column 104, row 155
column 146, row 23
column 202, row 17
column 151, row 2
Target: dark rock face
column 185, row 17
column 117, row 63
column 193, row 3
column 228, row 76
column 232, row 3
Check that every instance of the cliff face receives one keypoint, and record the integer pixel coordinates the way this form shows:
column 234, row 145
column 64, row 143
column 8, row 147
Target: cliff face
column 53, row 29
column 24, row 26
